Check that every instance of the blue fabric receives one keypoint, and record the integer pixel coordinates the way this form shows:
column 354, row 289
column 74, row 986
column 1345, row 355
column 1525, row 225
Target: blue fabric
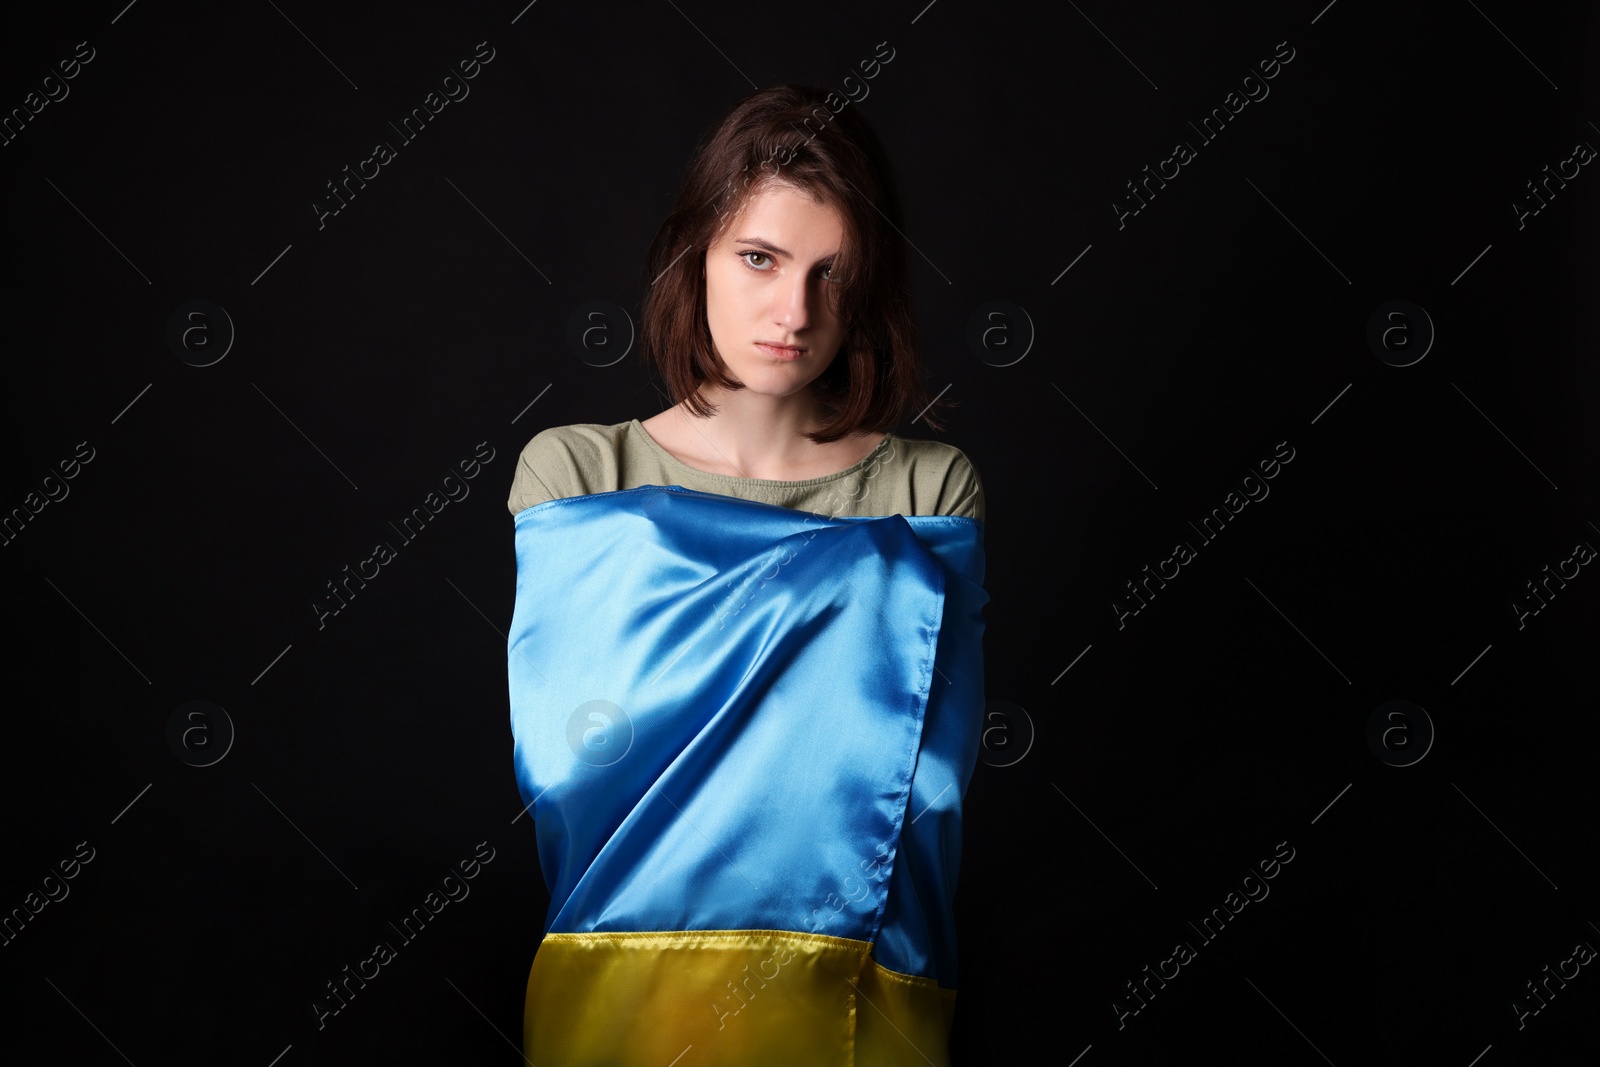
column 730, row 715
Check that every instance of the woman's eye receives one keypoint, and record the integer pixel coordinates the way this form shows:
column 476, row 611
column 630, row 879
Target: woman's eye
column 827, row 271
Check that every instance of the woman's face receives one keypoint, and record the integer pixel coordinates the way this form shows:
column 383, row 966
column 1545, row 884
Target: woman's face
column 767, row 281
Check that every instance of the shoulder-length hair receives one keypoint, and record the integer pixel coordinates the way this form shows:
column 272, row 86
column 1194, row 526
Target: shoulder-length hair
column 789, row 134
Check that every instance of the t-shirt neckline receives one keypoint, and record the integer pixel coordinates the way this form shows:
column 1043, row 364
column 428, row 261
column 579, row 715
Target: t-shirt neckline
column 668, row 457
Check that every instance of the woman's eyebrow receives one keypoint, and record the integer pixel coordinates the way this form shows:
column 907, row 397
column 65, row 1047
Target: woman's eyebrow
column 768, row 246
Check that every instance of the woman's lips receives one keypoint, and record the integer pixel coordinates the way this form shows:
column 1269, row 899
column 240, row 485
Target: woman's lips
column 780, row 352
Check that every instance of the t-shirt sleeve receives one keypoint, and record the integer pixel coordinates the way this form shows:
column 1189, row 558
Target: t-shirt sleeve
column 546, row 470
column 962, row 492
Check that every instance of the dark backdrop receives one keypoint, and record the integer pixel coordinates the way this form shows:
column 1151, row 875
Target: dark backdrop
column 1430, row 859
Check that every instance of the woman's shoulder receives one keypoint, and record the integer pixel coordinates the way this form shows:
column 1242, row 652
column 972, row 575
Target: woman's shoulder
column 942, row 473
column 576, row 438
column 562, row 461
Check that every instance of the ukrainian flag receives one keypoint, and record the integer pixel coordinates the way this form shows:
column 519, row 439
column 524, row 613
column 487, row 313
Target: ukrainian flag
column 744, row 733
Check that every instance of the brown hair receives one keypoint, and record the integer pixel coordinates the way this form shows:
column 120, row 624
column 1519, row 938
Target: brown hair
column 788, row 134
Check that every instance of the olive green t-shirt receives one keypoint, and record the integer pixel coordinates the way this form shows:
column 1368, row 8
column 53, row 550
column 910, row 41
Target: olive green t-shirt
column 901, row 476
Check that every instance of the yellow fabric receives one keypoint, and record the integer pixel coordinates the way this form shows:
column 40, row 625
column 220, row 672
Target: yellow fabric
column 737, row 997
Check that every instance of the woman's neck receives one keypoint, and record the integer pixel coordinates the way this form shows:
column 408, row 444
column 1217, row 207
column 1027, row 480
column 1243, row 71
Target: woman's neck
column 753, row 435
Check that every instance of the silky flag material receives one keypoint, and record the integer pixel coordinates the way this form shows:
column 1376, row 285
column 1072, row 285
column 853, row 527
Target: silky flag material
column 744, row 733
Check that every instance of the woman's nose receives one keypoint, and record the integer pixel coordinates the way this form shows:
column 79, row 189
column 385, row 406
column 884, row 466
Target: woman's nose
column 798, row 298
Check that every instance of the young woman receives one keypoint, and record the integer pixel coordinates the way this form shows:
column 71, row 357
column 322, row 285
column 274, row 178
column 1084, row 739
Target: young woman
column 745, row 664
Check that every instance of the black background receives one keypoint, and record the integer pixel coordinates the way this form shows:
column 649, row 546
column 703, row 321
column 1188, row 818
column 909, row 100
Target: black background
column 374, row 354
